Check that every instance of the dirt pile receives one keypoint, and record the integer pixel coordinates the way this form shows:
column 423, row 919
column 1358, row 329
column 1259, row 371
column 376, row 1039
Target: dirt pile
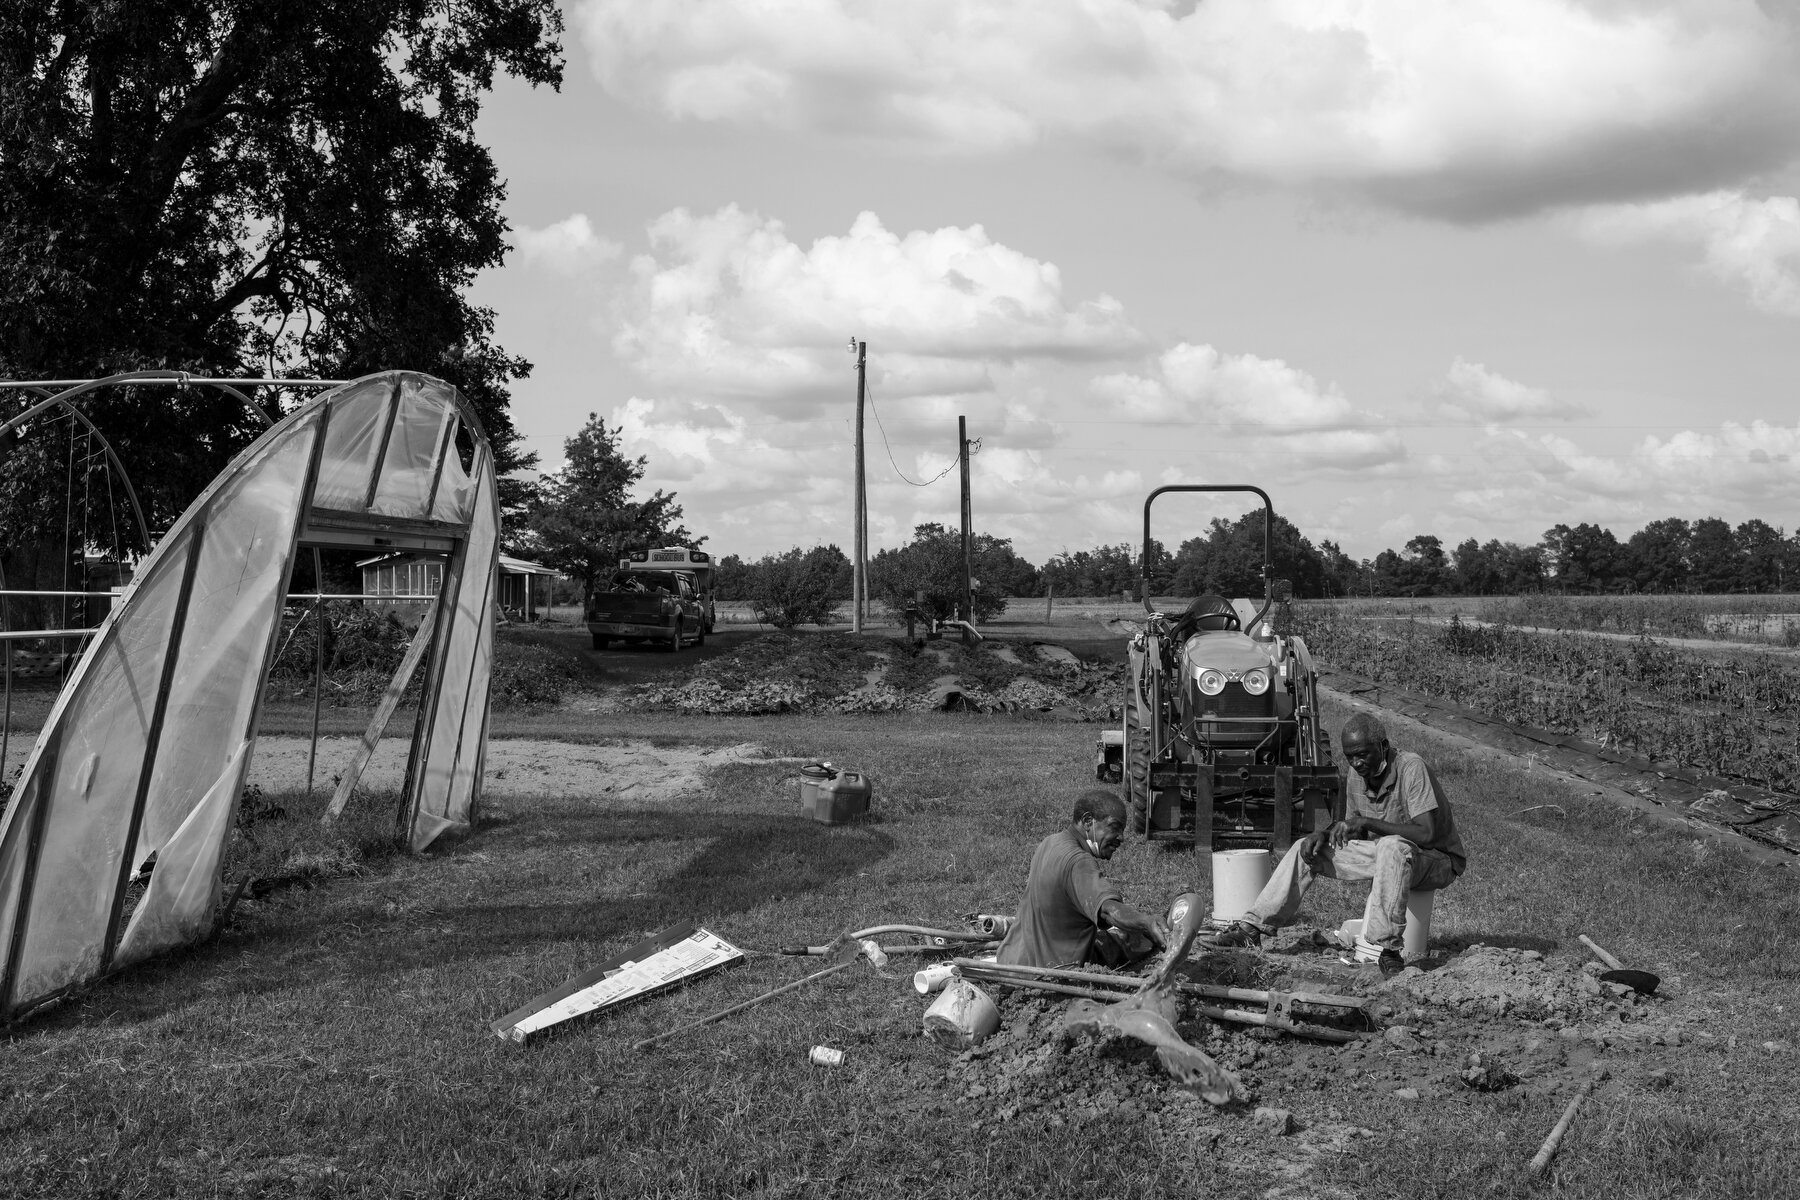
column 1478, row 1021
column 835, row 673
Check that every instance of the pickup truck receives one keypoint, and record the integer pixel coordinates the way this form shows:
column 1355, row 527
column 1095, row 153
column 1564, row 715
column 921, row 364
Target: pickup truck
column 647, row 606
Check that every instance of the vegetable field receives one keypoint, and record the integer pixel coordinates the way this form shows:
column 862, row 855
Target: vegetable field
column 1732, row 713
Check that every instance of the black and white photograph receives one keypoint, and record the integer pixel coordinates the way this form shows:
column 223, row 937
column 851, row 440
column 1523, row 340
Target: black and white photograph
column 769, row 599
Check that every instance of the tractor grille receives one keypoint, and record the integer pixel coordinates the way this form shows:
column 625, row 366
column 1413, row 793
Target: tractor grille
column 1234, row 701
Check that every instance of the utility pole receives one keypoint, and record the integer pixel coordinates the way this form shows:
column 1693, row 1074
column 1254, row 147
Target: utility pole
column 968, row 572
column 860, row 585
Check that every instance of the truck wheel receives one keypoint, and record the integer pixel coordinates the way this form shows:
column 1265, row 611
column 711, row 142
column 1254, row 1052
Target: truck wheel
column 675, row 638
column 700, row 635
column 599, row 642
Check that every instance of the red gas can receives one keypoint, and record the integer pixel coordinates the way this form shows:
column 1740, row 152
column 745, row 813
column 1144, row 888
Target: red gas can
column 831, row 795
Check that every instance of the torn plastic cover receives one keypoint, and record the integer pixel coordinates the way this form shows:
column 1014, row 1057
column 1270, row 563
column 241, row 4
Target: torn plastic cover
column 191, row 639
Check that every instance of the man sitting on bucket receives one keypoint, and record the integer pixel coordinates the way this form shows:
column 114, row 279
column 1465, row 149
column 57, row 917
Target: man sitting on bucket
column 1397, row 831
column 1069, row 905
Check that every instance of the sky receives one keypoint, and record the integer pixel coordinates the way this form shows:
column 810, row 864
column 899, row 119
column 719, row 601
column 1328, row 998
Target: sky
column 1468, row 269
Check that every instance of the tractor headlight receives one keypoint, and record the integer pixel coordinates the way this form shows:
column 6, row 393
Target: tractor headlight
column 1211, row 682
column 1256, row 682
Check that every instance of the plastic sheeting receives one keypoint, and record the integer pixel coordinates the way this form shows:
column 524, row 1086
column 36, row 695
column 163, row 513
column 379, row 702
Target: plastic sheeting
column 445, row 766
column 155, row 730
column 177, row 907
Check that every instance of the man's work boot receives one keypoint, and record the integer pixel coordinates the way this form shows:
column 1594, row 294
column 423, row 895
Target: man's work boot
column 1238, row 933
column 1392, row 963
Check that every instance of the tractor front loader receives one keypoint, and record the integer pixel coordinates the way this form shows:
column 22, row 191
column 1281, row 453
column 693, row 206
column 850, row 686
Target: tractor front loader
column 1221, row 745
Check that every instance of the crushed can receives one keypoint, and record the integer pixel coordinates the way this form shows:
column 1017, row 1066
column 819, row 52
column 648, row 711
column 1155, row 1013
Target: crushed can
column 831, row 795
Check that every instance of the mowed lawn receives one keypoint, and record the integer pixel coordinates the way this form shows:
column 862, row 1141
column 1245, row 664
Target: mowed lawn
column 334, row 1040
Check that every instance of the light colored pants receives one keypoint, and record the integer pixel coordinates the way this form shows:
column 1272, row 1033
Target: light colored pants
column 1395, row 864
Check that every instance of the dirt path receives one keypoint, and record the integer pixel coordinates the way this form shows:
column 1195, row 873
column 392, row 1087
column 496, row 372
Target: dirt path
column 518, row 768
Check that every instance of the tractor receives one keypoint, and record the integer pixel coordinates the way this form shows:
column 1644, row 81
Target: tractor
column 1221, row 745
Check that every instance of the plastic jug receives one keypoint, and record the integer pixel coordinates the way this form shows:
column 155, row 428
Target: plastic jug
column 833, row 796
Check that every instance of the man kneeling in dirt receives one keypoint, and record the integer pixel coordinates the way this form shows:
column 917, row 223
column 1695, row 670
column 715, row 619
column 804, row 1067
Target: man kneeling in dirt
column 1398, row 831
column 1069, row 906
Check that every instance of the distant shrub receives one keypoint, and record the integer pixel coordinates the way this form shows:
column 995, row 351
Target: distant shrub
column 795, row 588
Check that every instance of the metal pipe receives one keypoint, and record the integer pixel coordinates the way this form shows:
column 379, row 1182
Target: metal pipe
column 312, row 749
column 24, row 592
column 137, row 509
column 27, row 635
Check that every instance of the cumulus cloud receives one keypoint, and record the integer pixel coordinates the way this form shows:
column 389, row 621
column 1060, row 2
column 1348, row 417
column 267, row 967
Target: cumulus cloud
column 1471, row 392
column 1750, row 243
column 1202, row 388
column 1474, row 109
column 569, row 247
column 728, row 303
column 1537, row 481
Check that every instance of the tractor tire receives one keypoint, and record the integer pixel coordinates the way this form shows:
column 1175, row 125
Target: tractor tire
column 1137, row 764
column 599, row 642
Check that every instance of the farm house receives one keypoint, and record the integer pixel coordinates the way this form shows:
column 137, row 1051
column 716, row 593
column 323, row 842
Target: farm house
column 408, row 581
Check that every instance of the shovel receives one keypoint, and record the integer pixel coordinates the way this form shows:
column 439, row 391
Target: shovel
column 1641, row 982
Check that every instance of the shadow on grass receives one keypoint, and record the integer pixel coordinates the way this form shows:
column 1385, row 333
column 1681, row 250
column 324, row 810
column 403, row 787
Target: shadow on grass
column 717, row 865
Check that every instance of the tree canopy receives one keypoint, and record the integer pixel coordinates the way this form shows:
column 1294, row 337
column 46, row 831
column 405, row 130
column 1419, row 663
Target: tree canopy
column 252, row 187
column 928, row 571
column 583, row 519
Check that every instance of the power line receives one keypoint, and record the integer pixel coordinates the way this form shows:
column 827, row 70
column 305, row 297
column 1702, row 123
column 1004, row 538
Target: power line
column 890, row 450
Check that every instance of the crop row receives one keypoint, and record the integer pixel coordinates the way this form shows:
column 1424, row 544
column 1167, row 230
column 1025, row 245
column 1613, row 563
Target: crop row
column 1735, row 715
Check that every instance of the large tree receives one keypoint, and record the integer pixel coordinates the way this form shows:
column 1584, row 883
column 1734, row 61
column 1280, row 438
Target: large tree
column 250, row 187
column 583, row 519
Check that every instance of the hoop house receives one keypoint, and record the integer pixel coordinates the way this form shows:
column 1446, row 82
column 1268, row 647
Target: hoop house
column 148, row 746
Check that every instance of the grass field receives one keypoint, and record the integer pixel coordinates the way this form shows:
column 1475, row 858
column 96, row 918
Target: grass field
column 333, row 1040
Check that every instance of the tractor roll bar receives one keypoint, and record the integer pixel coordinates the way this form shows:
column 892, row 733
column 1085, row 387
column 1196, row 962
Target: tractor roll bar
column 1268, row 568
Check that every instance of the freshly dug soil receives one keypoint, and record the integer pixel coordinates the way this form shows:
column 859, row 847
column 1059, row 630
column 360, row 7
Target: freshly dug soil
column 1472, row 1021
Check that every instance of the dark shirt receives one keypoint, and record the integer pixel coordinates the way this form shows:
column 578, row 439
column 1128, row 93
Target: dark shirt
column 1060, row 914
column 1405, row 790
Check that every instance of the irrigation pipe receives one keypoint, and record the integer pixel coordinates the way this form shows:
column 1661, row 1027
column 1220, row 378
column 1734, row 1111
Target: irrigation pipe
column 948, row 935
column 1236, row 1016
column 1548, row 1150
column 646, row 1043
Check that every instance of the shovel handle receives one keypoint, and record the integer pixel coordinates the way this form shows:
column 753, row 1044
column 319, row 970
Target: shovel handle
column 1600, row 953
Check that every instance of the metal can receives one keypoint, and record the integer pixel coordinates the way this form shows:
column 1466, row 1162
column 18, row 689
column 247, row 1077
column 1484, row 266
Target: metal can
column 825, row 1056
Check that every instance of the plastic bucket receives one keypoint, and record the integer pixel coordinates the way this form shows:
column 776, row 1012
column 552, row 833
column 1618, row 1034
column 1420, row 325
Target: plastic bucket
column 962, row 1017
column 1237, row 877
column 1416, row 937
column 1418, row 923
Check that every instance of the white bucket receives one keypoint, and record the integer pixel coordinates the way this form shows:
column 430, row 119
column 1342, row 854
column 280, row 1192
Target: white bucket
column 962, row 1017
column 1418, row 923
column 1416, row 937
column 1238, row 876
